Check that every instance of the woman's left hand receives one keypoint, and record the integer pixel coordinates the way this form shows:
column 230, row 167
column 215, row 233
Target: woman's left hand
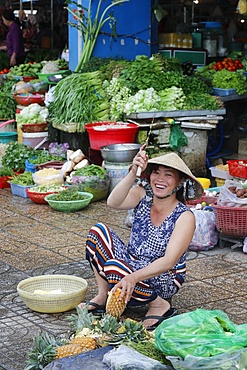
column 127, row 285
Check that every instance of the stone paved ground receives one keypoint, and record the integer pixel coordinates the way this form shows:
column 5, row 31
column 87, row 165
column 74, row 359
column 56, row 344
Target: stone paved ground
column 37, row 240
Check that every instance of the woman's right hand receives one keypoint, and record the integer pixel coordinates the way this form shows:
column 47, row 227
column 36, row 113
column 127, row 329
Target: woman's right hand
column 140, row 160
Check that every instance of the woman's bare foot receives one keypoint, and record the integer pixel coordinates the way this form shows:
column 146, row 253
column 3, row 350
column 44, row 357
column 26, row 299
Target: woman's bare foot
column 158, row 307
column 99, row 299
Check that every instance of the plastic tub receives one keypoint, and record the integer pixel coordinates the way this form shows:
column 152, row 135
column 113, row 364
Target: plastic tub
column 4, row 182
column 19, row 190
column 106, row 133
column 221, row 174
column 6, row 137
column 37, row 140
column 224, row 92
column 204, row 182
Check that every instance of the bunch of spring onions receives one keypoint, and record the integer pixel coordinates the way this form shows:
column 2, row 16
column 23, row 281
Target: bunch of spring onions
column 90, row 24
column 79, row 98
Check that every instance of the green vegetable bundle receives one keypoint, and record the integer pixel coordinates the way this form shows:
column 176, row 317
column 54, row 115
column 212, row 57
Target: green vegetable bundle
column 24, row 179
column 79, row 99
column 7, row 105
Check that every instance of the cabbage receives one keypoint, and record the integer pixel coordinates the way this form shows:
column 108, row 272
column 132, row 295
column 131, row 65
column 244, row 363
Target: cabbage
column 50, row 67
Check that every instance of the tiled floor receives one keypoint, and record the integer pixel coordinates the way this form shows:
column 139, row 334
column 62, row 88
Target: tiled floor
column 37, row 240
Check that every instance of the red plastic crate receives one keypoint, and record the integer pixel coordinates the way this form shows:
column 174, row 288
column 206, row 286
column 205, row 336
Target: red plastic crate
column 231, row 221
column 238, row 168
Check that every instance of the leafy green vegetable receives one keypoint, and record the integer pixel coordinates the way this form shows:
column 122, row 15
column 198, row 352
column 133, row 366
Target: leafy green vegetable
column 91, row 170
column 225, row 79
column 6, row 171
column 16, row 155
column 33, row 113
column 24, row 179
column 7, row 105
column 143, row 73
column 44, row 156
column 68, row 195
column 197, row 100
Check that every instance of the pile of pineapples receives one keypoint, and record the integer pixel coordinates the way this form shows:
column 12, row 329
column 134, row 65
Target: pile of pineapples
column 90, row 332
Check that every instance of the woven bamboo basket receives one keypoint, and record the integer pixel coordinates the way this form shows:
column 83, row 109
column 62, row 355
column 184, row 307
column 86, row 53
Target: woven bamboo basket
column 52, row 293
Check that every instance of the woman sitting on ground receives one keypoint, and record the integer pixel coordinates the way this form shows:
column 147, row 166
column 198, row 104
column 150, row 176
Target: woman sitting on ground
column 151, row 268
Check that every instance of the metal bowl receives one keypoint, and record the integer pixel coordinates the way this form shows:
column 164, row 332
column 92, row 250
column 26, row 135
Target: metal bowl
column 119, row 153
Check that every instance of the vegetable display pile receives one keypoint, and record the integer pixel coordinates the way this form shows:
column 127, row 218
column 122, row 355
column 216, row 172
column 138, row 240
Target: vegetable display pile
column 24, row 179
column 16, row 155
column 225, row 79
column 5, row 171
column 33, row 113
column 44, row 156
column 68, row 195
column 79, row 99
column 92, row 170
column 47, row 189
column 26, row 69
column 227, row 63
column 7, row 105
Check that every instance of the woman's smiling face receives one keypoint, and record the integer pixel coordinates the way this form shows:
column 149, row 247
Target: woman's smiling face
column 163, row 180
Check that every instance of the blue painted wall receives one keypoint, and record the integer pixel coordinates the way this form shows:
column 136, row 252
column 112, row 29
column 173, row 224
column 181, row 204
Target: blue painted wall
column 136, row 28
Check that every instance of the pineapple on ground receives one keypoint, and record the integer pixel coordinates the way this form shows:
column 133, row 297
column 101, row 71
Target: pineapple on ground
column 68, row 350
column 114, row 305
column 87, row 343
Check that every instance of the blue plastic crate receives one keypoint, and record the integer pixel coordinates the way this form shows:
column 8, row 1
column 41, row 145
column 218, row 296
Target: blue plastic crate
column 224, row 92
column 19, row 190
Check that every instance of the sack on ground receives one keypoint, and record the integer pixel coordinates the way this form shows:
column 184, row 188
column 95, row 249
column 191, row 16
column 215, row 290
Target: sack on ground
column 206, row 235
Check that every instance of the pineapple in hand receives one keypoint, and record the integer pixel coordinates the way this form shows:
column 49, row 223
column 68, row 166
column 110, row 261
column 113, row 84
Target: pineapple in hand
column 115, row 306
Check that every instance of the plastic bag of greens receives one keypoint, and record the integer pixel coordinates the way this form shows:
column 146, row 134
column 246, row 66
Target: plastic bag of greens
column 225, row 361
column 177, row 138
column 125, row 358
column 201, row 333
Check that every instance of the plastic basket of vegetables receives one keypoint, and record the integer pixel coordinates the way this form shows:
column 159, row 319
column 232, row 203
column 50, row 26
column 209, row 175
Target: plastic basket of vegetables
column 20, row 183
column 33, row 118
column 38, row 193
column 93, row 179
column 69, row 200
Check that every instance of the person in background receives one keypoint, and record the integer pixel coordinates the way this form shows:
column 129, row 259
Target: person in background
column 14, row 39
column 151, row 268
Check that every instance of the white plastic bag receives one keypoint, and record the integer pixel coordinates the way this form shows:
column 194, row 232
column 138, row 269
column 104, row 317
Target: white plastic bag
column 125, row 358
column 206, row 235
column 227, row 198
